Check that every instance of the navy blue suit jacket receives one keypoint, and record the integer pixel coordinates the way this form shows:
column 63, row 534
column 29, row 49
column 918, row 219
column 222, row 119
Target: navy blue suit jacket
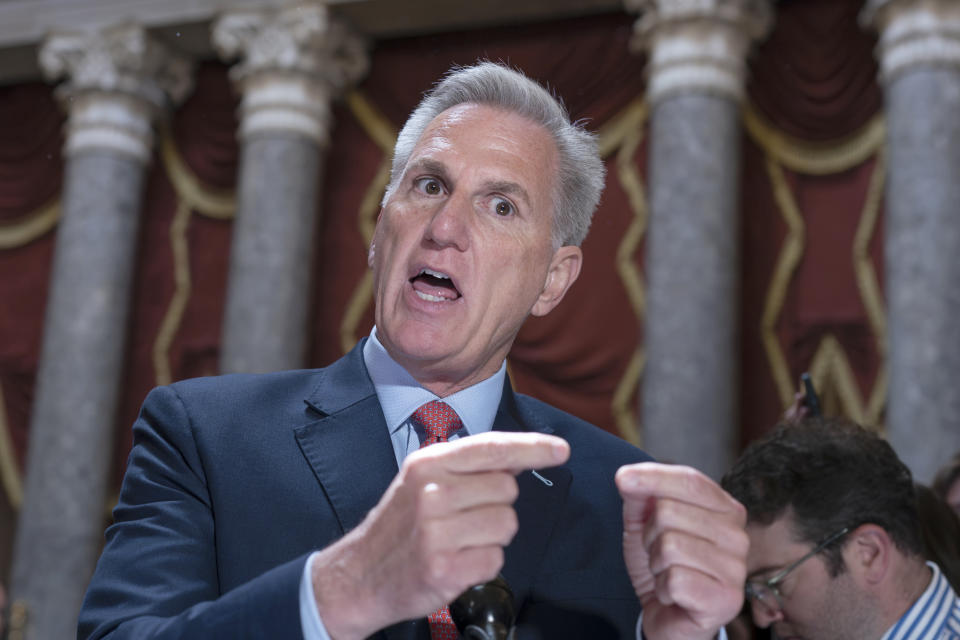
column 234, row 480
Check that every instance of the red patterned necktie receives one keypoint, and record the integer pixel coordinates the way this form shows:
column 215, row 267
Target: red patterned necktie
column 439, row 421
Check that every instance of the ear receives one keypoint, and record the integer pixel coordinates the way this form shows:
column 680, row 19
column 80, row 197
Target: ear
column 563, row 272
column 371, row 252
column 868, row 554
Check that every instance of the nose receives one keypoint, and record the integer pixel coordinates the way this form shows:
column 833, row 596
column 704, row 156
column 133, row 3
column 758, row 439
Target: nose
column 763, row 615
column 450, row 223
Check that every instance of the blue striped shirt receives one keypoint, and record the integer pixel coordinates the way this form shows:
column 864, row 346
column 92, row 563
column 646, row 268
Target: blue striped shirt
column 935, row 616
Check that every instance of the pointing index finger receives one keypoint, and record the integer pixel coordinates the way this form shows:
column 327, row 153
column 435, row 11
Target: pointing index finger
column 503, row 451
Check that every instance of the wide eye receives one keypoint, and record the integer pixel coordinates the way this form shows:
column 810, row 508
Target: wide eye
column 502, row 207
column 429, row 186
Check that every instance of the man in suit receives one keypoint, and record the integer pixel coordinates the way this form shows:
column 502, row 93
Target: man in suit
column 308, row 502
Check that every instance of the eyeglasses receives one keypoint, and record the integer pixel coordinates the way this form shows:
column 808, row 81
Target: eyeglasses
column 767, row 593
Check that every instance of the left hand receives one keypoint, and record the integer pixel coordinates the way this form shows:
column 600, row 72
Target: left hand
column 685, row 548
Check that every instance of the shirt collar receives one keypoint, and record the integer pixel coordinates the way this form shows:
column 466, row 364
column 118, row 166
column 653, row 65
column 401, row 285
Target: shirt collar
column 400, row 394
column 925, row 617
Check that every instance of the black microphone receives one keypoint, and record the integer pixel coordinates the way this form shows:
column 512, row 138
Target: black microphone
column 811, row 399
column 485, row 611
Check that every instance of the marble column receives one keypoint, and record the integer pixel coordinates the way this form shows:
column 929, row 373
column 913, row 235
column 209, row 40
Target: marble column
column 117, row 81
column 919, row 54
column 696, row 51
column 294, row 62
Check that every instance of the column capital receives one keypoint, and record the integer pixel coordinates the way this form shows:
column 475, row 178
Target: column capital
column 116, row 81
column 293, row 61
column 914, row 33
column 698, row 46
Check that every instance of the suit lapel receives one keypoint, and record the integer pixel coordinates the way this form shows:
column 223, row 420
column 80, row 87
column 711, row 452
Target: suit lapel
column 351, row 420
column 539, row 505
column 348, row 447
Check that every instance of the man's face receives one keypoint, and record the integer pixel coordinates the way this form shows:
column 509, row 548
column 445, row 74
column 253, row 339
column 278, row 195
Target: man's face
column 815, row 605
column 462, row 252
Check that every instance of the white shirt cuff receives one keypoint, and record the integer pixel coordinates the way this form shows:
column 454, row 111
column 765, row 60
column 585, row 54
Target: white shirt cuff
column 310, row 622
column 721, row 635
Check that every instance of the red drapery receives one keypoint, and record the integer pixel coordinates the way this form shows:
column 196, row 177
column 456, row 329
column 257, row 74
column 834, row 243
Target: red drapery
column 813, row 80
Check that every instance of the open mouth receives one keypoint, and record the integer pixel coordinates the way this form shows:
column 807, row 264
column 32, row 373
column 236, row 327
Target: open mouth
column 434, row 286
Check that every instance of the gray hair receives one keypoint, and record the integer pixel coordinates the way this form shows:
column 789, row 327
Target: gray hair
column 580, row 172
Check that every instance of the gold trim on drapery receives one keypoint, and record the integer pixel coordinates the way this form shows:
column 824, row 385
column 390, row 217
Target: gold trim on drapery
column 624, row 135
column 830, row 367
column 815, row 158
column 28, row 228
column 192, row 196
column 9, row 469
column 383, row 134
column 13, row 235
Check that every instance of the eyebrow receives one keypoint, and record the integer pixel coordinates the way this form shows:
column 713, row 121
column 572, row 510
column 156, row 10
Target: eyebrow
column 509, row 188
column 431, row 166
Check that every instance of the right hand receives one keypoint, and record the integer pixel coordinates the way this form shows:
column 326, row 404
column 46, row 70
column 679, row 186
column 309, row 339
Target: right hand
column 440, row 527
column 799, row 410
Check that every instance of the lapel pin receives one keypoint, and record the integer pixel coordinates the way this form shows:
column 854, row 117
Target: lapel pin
column 539, row 477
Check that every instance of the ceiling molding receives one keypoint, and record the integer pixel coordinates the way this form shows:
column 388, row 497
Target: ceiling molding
column 184, row 25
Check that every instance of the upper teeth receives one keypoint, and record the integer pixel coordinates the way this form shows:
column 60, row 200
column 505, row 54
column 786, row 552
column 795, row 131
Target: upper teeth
column 435, row 274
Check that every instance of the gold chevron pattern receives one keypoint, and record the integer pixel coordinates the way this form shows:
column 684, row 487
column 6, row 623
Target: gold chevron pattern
column 383, row 134
column 830, row 367
column 192, row 196
column 624, row 135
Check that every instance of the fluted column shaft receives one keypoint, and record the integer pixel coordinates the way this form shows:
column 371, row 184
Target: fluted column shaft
column 919, row 54
column 117, row 81
column 294, row 61
column 697, row 56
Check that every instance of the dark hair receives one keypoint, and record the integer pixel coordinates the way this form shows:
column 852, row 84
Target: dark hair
column 947, row 476
column 829, row 473
column 940, row 530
